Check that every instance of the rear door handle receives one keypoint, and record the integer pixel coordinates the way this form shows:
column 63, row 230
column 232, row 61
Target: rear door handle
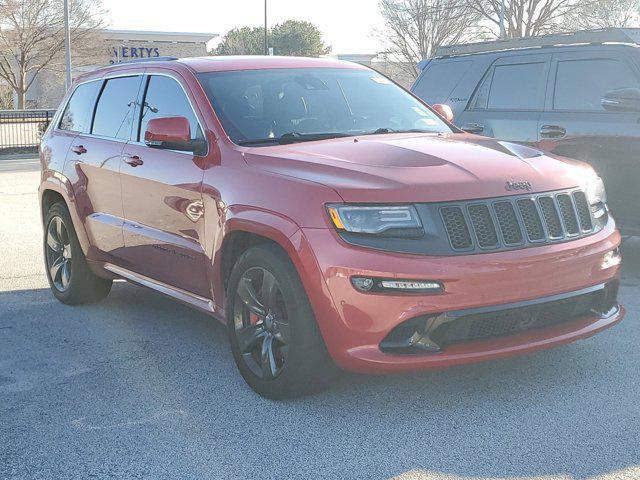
column 552, row 131
column 78, row 149
column 133, row 160
column 473, row 128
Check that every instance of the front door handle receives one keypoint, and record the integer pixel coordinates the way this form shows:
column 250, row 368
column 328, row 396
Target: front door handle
column 473, row 128
column 78, row 149
column 133, row 160
column 552, row 131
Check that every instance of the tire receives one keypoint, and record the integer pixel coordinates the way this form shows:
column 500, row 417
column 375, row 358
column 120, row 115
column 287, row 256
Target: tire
column 302, row 364
column 71, row 280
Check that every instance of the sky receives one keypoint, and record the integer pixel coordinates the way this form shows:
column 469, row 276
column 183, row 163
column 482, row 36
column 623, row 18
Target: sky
column 347, row 25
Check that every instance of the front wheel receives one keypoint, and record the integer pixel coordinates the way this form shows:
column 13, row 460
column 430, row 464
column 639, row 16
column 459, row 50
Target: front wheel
column 70, row 278
column 274, row 337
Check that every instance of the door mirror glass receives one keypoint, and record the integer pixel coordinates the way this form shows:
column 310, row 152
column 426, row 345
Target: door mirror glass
column 622, row 100
column 171, row 133
column 444, row 111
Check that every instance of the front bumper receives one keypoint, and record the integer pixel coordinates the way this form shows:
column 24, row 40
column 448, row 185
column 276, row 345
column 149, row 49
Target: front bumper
column 354, row 324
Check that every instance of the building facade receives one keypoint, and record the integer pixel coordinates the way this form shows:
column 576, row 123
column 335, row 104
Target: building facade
column 119, row 46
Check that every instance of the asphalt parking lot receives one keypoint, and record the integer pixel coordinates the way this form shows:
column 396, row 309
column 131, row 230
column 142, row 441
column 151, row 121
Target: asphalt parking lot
column 141, row 387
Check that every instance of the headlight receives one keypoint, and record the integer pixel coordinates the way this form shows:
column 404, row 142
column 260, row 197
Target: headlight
column 396, row 220
column 595, row 192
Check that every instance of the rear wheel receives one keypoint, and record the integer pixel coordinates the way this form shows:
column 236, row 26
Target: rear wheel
column 274, row 337
column 70, row 278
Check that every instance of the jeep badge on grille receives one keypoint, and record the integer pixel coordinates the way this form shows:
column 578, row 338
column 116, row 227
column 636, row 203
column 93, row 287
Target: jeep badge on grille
column 523, row 185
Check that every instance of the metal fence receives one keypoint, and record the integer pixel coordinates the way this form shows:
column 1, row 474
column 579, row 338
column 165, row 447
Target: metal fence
column 21, row 130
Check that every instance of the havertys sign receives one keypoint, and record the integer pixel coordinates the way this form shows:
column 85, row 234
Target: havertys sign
column 119, row 54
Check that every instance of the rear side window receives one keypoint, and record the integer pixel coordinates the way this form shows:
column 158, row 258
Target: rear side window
column 166, row 98
column 512, row 87
column 77, row 114
column 440, row 80
column 114, row 112
column 581, row 84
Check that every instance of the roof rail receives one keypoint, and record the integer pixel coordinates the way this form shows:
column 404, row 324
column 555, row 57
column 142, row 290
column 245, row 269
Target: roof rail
column 606, row 35
column 150, row 59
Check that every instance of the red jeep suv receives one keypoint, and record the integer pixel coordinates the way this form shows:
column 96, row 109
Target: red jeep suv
column 325, row 215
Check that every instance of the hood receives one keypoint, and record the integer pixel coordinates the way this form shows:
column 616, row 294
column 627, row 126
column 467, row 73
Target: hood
column 419, row 167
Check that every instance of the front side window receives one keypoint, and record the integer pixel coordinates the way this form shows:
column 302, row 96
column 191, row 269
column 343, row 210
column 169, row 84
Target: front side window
column 114, row 112
column 581, row 84
column 166, row 98
column 77, row 114
column 267, row 105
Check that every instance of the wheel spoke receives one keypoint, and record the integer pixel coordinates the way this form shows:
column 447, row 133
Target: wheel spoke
column 283, row 332
column 55, row 267
column 60, row 230
column 250, row 298
column 268, row 361
column 248, row 337
column 269, row 290
column 53, row 243
column 65, row 274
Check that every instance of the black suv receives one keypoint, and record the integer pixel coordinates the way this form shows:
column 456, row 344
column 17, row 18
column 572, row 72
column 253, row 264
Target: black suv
column 575, row 95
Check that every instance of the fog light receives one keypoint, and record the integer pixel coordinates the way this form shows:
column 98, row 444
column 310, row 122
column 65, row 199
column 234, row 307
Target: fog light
column 363, row 284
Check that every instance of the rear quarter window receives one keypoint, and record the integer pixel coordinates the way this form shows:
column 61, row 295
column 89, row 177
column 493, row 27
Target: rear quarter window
column 76, row 116
column 440, row 79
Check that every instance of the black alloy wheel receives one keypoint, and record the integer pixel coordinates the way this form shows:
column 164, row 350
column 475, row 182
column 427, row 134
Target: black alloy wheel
column 58, row 254
column 275, row 340
column 261, row 323
column 71, row 279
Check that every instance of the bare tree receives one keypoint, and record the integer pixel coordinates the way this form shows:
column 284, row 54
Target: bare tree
column 523, row 18
column 414, row 29
column 32, row 38
column 604, row 14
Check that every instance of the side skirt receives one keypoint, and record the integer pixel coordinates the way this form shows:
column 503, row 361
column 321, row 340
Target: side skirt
column 204, row 304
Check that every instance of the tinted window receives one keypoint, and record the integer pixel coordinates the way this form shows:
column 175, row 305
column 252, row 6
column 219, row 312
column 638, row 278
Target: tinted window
column 77, row 114
column 266, row 104
column 581, row 84
column 518, row 87
column 439, row 80
column 114, row 112
column 165, row 98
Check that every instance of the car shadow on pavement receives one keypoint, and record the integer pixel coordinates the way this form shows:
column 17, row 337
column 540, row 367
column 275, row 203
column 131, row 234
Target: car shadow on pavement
column 146, row 379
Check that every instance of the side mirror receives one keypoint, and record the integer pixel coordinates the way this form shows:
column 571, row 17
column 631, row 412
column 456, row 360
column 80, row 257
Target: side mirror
column 444, row 111
column 172, row 133
column 622, row 100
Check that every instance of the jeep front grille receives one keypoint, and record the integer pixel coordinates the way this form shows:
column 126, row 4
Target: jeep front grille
column 523, row 220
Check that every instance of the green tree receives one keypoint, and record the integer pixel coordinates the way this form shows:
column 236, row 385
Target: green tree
column 242, row 41
column 298, row 38
column 289, row 38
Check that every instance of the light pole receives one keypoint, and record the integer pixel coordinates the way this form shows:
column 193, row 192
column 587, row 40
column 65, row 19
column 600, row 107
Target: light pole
column 266, row 45
column 503, row 32
column 67, row 41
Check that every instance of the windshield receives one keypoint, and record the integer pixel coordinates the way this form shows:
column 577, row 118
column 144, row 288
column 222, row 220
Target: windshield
column 286, row 105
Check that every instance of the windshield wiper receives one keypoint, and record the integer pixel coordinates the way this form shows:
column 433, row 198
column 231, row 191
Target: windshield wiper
column 393, row 130
column 294, row 137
